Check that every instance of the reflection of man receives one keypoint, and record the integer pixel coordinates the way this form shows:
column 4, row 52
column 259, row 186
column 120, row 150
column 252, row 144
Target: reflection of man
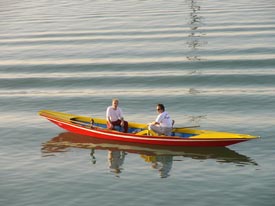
column 116, row 160
column 162, row 163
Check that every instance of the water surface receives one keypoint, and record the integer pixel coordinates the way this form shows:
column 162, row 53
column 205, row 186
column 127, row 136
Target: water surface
column 210, row 62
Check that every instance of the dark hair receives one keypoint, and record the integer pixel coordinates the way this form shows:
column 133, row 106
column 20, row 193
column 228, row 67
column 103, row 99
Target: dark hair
column 161, row 106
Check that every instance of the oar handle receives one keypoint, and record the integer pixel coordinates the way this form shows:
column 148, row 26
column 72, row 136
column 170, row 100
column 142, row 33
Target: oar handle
column 86, row 124
column 195, row 126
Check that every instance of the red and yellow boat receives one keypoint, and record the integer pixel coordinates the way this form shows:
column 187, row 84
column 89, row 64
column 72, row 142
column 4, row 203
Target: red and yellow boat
column 138, row 133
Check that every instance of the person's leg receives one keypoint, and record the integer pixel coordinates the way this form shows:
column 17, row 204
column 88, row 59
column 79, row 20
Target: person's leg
column 109, row 125
column 155, row 128
column 113, row 125
column 167, row 131
column 125, row 127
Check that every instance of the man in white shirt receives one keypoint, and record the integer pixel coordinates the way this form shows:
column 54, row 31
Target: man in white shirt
column 114, row 117
column 163, row 123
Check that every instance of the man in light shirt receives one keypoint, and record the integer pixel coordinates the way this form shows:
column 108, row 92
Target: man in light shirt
column 163, row 123
column 114, row 117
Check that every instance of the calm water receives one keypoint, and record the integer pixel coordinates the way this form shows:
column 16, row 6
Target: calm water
column 211, row 63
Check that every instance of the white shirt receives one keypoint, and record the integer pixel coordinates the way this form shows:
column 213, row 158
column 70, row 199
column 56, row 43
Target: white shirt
column 113, row 114
column 164, row 120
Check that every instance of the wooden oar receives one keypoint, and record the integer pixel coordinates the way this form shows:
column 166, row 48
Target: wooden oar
column 186, row 127
column 86, row 124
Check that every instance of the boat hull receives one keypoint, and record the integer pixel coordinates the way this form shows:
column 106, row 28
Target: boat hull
column 142, row 139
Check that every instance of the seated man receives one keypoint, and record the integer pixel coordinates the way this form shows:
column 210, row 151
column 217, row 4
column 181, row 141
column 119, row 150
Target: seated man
column 163, row 123
column 114, row 117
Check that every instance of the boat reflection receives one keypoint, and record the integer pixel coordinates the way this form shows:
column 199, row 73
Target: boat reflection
column 159, row 157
